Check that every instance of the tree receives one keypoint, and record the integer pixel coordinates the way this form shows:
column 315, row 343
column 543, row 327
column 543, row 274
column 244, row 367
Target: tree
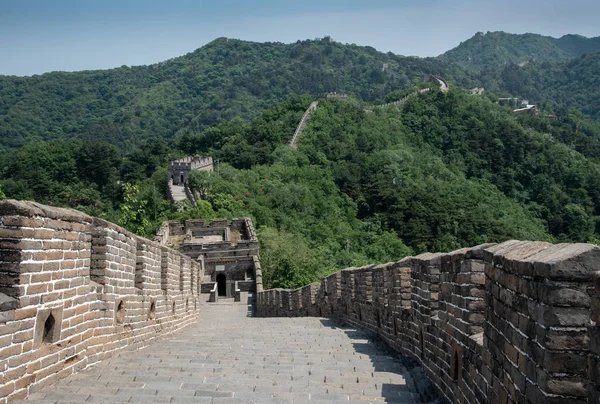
column 133, row 215
column 201, row 182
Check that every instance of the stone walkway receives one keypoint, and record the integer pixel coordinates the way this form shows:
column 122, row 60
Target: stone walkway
column 178, row 193
column 229, row 357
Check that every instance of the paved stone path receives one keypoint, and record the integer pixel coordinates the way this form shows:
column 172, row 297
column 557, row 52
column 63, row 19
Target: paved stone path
column 178, row 193
column 228, row 357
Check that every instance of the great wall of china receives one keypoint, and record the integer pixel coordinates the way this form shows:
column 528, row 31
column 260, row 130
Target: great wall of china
column 497, row 323
column 313, row 106
column 516, row 322
column 75, row 290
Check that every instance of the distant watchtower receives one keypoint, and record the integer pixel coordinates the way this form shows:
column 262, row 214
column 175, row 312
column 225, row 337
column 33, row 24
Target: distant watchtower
column 179, row 170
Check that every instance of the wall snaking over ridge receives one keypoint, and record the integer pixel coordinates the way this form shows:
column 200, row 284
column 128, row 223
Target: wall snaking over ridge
column 498, row 323
column 76, row 289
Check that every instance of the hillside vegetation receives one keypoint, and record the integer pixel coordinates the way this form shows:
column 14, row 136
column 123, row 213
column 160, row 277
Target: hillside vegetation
column 489, row 50
column 559, row 73
column 444, row 171
column 229, row 78
column 225, row 79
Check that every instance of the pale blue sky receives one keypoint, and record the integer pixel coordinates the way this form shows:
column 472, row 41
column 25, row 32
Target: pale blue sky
column 38, row 36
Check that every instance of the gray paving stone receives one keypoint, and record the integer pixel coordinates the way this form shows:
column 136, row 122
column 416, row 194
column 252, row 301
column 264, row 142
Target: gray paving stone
column 228, row 357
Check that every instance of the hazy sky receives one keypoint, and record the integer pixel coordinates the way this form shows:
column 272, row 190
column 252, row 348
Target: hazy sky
column 38, row 36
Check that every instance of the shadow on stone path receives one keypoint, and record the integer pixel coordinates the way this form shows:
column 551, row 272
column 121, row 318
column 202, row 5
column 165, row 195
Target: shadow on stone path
column 229, row 357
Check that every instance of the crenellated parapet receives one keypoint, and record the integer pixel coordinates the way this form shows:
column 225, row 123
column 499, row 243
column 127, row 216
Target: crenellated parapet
column 76, row 289
column 497, row 323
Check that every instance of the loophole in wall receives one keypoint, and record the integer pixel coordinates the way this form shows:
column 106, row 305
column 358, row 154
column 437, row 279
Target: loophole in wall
column 152, row 310
column 187, row 304
column 120, row 312
column 49, row 325
column 456, row 364
column 173, row 306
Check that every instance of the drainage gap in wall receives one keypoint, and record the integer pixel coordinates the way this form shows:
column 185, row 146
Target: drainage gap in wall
column 70, row 360
column 152, row 311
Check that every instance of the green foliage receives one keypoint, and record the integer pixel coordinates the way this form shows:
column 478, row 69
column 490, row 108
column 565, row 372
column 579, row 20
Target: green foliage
column 493, row 49
column 201, row 182
column 287, row 260
column 556, row 73
column 443, row 171
column 2, row 196
column 224, row 79
column 133, row 213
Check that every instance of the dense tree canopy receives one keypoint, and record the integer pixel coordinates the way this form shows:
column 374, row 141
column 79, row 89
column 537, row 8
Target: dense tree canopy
column 224, row 79
column 364, row 185
column 441, row 172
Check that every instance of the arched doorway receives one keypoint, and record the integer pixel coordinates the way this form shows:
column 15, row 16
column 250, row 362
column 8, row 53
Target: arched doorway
column 182, row 179
column 222, row 284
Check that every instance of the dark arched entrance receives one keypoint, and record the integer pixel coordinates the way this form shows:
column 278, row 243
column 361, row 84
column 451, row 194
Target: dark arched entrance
column 222, row 284
column 182, row 178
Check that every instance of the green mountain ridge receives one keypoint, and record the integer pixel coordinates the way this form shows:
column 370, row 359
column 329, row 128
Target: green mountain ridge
column 493, row 49
column 229, row 78
column 224, row 79
column 440, row 172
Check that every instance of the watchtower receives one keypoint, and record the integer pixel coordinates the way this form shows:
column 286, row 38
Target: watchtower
column 179, row 170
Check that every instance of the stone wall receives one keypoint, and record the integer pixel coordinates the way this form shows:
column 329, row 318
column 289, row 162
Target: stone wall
column 506, row 323
column 76, row 289
column 594, row 337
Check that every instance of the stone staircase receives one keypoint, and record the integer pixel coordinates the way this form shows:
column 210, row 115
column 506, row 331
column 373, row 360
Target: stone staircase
column 231, row 357
column 177, row 192
column 303, row 122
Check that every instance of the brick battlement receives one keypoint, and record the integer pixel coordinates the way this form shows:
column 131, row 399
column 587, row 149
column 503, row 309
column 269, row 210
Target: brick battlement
column 76, row 289
column 512, row 322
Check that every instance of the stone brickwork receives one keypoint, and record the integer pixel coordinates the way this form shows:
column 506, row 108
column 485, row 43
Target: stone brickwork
column 179, row 170
column 516, row 322
column 75, row 290
column 594, row 337
column 226, row 249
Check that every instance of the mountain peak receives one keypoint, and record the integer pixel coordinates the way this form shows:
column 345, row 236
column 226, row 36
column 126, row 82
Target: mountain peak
column 497, row 48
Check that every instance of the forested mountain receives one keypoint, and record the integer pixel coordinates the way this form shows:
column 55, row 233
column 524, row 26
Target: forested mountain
column 230, row 78
column 490, row 50
column 559, row 85
column 443, row 171
column 225, row 79
column 559, row 73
